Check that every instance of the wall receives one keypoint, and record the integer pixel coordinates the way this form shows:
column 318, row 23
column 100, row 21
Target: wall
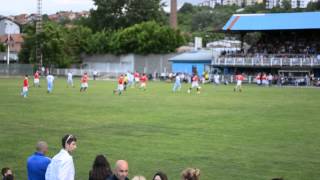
column 120, row 64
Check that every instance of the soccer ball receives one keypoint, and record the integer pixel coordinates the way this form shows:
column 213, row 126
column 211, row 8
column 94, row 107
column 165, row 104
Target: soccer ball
column 189, row 91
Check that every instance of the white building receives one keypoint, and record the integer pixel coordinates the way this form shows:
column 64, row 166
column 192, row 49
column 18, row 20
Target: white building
column 294, row 3
column 8, row 26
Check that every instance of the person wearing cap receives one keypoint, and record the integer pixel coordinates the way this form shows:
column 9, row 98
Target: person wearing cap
column 61, row 166
column 37, row 163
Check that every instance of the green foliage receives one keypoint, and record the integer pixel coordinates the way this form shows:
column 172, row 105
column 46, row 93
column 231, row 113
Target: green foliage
column 148, row 37
column 186, row 8
column 313, row 6
column 286, row 4
column 101, row 42
column 2, row 47
column 59, row 46
column 77, row 42
column 117, row 14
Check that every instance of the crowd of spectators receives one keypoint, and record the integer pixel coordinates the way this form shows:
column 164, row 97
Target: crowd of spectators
column 282, row 44
column 61, row 166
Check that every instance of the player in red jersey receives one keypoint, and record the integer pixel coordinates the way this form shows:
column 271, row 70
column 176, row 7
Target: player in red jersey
column 239, row 79
column 136, row 76
column 195, row 84
column 25, row 87
column 120, row 88
column 36, row 81
column 143, row 81
column 84, row 82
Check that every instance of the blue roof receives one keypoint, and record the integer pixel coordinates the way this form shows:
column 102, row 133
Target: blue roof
column 193, row 56
column 273, row 21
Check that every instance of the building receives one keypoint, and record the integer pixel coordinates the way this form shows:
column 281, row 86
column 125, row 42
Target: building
column 285, row 46
column 15, row 44
column 241, row 3
column 192, row 62
column 8, row 26
column 294, row 3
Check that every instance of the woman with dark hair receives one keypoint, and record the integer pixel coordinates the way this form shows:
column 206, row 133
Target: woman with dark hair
column 100, row 169
column 160, row 176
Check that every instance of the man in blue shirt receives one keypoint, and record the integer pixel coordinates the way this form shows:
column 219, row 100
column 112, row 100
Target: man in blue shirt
column 37, row 163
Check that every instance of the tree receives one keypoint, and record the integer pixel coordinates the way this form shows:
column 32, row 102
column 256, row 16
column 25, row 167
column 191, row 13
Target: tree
column 286, row 4
column 146, row 38
column 313, row 6
column 117, row 14
column 2, row 47
column 59, row 46
column 186, row 8
column 77, row 42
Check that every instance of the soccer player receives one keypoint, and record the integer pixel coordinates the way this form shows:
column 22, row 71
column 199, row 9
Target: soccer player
column 136, row 76
column 69, row 79
column 25, row 87
column 239, row 79
column 36, row 81
column 125, row 82
column 195, row 84
column 130, row 79
column 177, row 84
column 84, row 82
column 143, row 81
column 50, row 80
column 120, row 85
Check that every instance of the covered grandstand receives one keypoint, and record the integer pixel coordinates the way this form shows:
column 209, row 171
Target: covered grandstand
column 288, row 42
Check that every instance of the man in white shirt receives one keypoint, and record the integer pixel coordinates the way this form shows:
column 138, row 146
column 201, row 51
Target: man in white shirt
column 61, row 166
column 69, row 79
column 50, row 80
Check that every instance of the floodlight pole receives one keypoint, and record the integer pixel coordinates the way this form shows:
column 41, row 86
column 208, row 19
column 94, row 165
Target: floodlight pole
column 8, row 53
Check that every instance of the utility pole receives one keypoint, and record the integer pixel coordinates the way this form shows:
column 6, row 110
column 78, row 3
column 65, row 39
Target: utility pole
column 38, row 30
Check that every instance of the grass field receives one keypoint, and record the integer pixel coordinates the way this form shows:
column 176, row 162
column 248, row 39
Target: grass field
column 254, row 135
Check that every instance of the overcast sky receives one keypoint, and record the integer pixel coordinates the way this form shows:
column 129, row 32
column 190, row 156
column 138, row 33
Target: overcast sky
column 15, row 7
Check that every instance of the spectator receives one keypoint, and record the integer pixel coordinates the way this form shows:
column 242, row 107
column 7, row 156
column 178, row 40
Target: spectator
column 95, row 74
column 160, row 176
column 7, row 174
column 61, row 166
column 37, row 163
column 190, row 174
column 121, row 171
column 100, row 169
column 139, row 178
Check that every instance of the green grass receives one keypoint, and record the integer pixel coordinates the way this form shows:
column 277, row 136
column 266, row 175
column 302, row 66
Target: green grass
column 254, row 135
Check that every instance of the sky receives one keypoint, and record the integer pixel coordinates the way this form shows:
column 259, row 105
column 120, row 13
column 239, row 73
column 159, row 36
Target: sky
column 15, row 7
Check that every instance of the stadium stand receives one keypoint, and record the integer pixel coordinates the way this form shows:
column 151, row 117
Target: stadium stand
column 289, row 42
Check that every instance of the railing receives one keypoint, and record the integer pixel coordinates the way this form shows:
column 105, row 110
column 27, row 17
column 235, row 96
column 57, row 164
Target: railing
column 266, row 61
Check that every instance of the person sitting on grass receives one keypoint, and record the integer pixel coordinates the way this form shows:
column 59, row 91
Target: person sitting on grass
column 100, row 169
column 160, row 176
column 190, row 174
column 138, row 178
column 121, row 171
column 7, row 174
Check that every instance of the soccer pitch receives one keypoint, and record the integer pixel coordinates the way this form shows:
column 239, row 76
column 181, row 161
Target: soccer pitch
column 258, row 134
